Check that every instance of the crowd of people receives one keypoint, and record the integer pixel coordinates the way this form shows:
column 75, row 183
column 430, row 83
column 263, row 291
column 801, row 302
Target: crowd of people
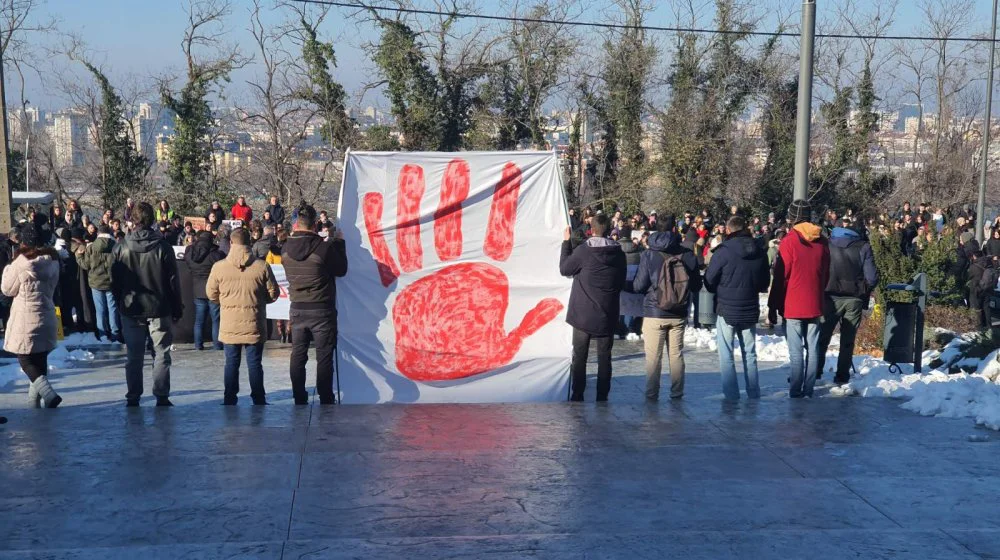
column 634, row 277
column 640, row 277
column 122, row 284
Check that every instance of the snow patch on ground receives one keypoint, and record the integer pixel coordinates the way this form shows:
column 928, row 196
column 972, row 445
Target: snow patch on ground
column 770, row 348
column 60, row 358
column 935, row 393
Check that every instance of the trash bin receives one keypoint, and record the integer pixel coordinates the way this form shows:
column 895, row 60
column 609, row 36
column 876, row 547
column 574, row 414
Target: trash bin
column 706, row 308
column 903, row 330
column 898, row 332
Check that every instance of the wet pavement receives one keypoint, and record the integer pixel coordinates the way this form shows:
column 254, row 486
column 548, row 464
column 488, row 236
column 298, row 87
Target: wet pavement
column 696, row 478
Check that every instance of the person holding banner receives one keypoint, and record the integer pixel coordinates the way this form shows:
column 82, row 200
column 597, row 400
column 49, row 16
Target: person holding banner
column 312, row 266
column 598, row 269
column 242, row 286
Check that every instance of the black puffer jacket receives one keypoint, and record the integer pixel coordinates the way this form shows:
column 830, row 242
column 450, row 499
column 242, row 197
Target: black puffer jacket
column 632, row 251
column 200, row 258
column 738, row 273
column 262, row 246
column 311, row 266
column 144, row 277
column 598, row 271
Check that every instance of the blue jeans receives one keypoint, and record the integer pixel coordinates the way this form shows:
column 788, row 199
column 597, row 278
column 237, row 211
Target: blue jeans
column 746, row 335
column 108, row 322
column 202, row 309
column 234, row 357
column 802, row 336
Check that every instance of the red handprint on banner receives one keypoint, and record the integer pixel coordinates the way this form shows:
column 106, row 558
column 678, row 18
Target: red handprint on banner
column 450, row 325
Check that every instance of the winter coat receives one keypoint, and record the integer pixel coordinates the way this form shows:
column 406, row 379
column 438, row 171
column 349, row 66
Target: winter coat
column 31, row 328
column 243, row 213
column 311, row 267
column 992, row 247
column 277, row 213
column 737, row 275
column 632, row 251
column 976, row 272
column 242, row 286
column 144, row 277
column 262, row 246
column 598, row 271
column 648, row 274
column 852, row 265
column 200, row 257
column 220, row 216
column 801, row 273
column 96, row 260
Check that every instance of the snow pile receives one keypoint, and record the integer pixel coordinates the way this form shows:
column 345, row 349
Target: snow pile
column 700, row 339
column 935, row 393
column 60, row 358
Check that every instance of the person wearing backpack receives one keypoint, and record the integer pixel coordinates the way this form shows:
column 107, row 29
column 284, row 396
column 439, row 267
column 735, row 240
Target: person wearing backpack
column 738, row 274
column 801, row 273
column 668, row 274
column 598, row 269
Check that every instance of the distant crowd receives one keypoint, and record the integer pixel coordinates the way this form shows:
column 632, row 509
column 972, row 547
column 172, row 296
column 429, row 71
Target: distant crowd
column 640, row 276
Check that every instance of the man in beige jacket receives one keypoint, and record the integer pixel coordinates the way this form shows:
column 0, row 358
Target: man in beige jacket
column 242, row 286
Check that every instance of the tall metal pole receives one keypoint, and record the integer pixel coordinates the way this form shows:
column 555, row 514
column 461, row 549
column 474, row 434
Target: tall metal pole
column 804, row 119
column 27, row 148
column 5, row 201
column 981, row 203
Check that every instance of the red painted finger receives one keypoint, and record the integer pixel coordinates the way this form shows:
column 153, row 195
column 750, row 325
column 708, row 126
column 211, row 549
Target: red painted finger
column 448, row 218
column 411, row 191
column 372, row 208
column 503, row 213
column 538, row 317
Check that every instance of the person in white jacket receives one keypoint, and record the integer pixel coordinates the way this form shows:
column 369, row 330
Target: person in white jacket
column 31, row 279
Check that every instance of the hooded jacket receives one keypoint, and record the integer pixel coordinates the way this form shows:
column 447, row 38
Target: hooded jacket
column 200, row 257
column 801, row 273
column 242, row 285
column 738, row 274
column 852, row 265
column 598, row 271
column 311, row 267
column 96, row 260
column 648, row 275
column 632, row 251
column 32, row 326
column 144, row 277
column 262, row 246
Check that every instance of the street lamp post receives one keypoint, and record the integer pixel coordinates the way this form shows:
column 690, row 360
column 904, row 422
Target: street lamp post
column 981, row 202
column 803, row 121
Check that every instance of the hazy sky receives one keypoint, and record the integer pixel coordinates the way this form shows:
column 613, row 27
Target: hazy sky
column 142, row 37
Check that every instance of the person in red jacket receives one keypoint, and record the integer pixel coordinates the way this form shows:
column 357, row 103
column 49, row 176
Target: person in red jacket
column 242, row 211
column 801, row 272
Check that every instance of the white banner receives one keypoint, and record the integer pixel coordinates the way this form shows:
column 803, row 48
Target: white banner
column 453, row 292
column 279, row 309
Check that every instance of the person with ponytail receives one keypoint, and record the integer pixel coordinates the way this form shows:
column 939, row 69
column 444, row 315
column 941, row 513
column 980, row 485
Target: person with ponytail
column 31, row 279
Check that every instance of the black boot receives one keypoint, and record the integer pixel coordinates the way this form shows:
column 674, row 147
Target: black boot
column 163, row 401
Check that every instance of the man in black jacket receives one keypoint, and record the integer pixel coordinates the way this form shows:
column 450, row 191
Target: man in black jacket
column 277, row 210
column 738, row 274
column 598, row 270
column 853, row 276
column 147, row 289
column 312, row 266
column 200, row 257
column 662, row 327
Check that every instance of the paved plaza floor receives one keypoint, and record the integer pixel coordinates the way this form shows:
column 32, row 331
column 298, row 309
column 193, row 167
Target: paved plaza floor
column 827, row 478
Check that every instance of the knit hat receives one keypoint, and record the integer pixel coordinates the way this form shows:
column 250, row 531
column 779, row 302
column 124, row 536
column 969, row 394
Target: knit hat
column 800, row 211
